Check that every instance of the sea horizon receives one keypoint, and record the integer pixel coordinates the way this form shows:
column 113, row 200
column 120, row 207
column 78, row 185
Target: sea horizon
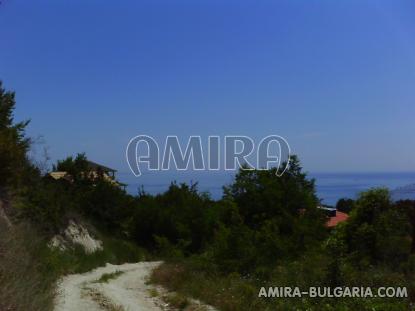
column 330, row 186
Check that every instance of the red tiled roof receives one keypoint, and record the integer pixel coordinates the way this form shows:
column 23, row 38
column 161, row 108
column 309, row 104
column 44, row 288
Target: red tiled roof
column 333, row 221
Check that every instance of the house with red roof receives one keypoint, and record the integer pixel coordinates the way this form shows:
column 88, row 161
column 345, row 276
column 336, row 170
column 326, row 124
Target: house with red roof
column 336, row 219
column 334, row 216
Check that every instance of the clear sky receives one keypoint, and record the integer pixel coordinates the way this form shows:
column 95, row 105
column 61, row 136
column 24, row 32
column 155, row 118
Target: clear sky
column 335, row 78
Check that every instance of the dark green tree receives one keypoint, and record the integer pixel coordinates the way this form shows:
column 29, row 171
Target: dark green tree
column 377, row 231
column 407, row 207
column 77, row 167
column 14, row 164
column 288, row 202
column 180, row 216
column 345, row 205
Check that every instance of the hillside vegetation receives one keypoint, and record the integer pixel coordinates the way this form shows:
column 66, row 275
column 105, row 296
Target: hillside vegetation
column 34, row 209
column 265, row 231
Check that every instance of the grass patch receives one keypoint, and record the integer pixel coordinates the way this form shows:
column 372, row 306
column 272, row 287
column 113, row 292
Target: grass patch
column 29, row 269
column 233, row 292
column 153, row 292
column 194, row 307
column 26, row 281
column 114, row 251
column 103, row 301
column 227, row 294
column 177, row 301
column 109, row 276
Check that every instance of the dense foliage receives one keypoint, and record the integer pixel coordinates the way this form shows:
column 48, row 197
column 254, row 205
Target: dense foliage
column 345, row 205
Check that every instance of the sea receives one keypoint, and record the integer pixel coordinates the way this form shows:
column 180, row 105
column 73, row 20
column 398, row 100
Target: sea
column 330, row 187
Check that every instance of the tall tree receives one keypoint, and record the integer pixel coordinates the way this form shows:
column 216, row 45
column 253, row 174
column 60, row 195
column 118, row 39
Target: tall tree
column 13, row 143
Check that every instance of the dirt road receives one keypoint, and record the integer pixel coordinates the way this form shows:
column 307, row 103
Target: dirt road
column 113, row 287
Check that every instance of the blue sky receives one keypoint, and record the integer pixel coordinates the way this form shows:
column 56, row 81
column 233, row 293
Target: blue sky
column 335, row 78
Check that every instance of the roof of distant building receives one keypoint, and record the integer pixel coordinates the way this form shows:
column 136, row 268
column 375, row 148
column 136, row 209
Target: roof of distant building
column 333, row 221
column 97, row 166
